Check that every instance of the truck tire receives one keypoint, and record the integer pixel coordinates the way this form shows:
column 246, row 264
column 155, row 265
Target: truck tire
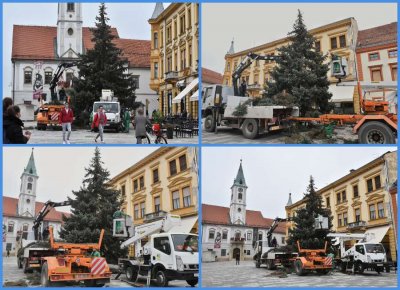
column 131, row 274
column 209, row 123
column 250, row 128
column 25, row 264
column 359, row 267
column 44, row 276
column 374, row 132
column 193, row 282
column 161, row 279
column 271, row 265
column 298, row 267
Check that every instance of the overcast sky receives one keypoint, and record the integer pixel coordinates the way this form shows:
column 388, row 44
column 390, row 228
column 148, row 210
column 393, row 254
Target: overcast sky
column 131, row 20
column 252, row 24
column 272, row 172
column 60, row 169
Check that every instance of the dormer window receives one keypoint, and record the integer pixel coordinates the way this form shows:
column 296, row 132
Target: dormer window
column 70, row 7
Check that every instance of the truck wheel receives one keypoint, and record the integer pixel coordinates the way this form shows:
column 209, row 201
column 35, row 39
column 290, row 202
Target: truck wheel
column 26, row 265
column 209, row 124
column 161, row 279
column 131, row 274
column 44, row 276
column 359, row 268
column 270, row 265
column 374, row 132
column 298, row 267
column 193, row 282
column 250, row 128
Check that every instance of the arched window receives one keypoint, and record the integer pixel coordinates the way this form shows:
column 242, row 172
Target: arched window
column 238, row 234
column 249, row 236
column 10, row 227
column 211, row 234
column 29, row 187
column 28, row 75
column 240, row 196
column 48, row 75
column 224, row 234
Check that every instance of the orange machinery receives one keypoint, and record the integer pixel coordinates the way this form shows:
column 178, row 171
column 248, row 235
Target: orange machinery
column 312, row 260
column 48, row 115
column 74, row 263
column 375, row 126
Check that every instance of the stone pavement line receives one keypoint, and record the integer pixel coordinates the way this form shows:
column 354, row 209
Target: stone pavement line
column 220, row 274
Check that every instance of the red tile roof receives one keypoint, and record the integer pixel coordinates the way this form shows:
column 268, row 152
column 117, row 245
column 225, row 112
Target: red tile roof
column 377, row 36
column 136, row 51
column 10, row 208
column 219, row 215
column 39, row 43
column 210, row 76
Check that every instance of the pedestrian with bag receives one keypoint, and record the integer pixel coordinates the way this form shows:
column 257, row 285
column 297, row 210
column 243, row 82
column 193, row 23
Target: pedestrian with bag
column 65, row 119
column 99, row 121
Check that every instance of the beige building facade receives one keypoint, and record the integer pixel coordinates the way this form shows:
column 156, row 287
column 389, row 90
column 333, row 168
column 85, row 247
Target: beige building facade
column 338, row 38
column 174, row 57
column 166, row 181
column 360, row 202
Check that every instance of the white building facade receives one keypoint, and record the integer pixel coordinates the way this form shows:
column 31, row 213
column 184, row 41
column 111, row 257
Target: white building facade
column 227, row 232
column 19, row 213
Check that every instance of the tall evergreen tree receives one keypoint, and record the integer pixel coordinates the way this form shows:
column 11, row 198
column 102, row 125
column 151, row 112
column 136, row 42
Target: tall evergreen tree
column 304, row 221
column 92, row 210
column 301, row 71
column 102, row 67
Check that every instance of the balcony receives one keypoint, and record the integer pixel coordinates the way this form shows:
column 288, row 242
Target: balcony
column 154, row 216
column 357, row 225
column 237, row 240
column 253, row 87
column 171, row 76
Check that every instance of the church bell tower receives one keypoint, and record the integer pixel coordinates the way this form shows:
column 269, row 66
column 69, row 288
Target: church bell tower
column 69, row 30
column 238, row 198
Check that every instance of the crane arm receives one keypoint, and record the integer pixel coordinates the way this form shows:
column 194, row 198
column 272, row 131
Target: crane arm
column 245, row 63
column 273, row 227
column 48, row 206
column 58, row 73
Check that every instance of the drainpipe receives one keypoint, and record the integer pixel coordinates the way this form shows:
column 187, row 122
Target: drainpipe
column 13, row 85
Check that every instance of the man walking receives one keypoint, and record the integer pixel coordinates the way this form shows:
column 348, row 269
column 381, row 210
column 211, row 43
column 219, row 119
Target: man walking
column 237, row 259
column 99, row 121
column 65, row 119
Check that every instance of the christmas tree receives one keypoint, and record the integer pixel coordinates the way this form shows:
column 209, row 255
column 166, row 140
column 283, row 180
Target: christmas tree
column 103, row 67
column 301, row 72
column 92, row 210
column 304, row 229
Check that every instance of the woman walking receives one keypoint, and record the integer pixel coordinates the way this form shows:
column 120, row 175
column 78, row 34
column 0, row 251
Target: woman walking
column 99, row 121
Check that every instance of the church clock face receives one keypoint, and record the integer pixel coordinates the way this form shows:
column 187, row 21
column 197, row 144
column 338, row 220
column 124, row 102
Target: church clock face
column 30, row 179
column 240, row 189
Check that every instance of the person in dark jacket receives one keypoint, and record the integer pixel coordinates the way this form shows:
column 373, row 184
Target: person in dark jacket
column 12, row 127
column 7, row 102
column 140, row 125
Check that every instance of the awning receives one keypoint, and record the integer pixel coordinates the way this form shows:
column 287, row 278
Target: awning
column 195, row 96
column 185, row 91
column 341, row 93
column 186, row 225
column 376, row 235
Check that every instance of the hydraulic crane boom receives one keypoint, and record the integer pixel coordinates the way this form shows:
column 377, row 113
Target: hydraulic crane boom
column 58, row 73
column 48, row 206
column 245, row 63
column 272, row 229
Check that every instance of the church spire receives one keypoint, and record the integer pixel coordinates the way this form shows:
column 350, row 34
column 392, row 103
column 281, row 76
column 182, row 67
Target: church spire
column 239, row 180
column 289, row 203
column 31, row 167
column 231, row 48
column 157, row 10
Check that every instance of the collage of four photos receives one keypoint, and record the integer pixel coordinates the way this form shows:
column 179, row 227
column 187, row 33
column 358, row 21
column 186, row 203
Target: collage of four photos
column 191, row 144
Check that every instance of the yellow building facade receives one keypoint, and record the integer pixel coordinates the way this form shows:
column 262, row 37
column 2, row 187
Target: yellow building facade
column 339, row 38
column 360, row 202
column 174, row 58
column 164, row 181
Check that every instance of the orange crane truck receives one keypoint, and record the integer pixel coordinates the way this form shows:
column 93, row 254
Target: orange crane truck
column 75, row 263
